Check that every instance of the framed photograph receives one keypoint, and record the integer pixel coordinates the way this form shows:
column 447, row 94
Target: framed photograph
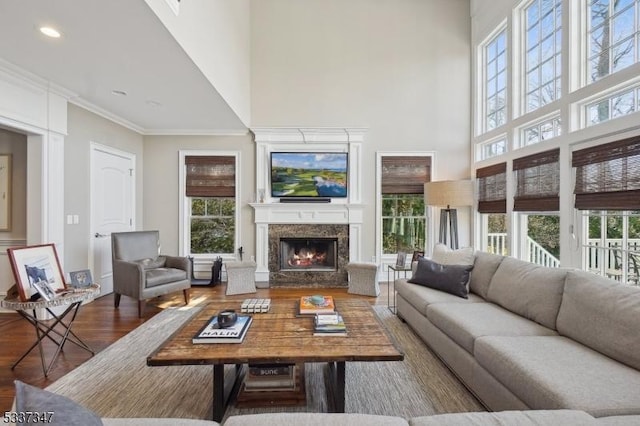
column 81, row 278
column 44, row 289
column 417, row 255
column 401, row 259
column 33, row 264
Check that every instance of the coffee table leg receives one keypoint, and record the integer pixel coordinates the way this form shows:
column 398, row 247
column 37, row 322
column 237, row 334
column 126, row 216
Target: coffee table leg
column 337, row 379
column 218, row 392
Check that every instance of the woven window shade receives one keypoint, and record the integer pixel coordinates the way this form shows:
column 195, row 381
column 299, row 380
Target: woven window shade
column 405, row 175
column 211, row 176
column 608, row 176
column 492, row 188
column 538, row 182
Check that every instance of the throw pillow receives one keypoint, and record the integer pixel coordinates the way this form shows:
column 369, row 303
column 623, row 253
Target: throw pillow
column 64, row 410
column 451, row 279
column 446, row 256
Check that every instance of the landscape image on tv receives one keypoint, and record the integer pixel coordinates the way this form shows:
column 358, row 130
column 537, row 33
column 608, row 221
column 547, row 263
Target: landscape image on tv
column 297, row 174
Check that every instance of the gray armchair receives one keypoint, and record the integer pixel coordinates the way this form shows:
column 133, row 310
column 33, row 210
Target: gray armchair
column 141, row 273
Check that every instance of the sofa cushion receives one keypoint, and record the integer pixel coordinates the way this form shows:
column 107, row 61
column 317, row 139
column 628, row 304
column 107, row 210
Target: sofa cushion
column 451, row 279
column 314, row 419
column 619, row 421
column 64, row 410
column 484, row 267
column 161, row 276
column 603, row 315
column 533, row 291
column 446, row 256
column 549, row 372
column 420, row 297
column 465, row 322
column 508, row 418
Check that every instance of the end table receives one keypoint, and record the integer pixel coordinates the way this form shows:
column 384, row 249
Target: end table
column 397, row 270
column 73, row 298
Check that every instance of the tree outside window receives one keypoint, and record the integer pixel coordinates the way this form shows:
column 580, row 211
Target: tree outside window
column 212, row 225
column 403, row 223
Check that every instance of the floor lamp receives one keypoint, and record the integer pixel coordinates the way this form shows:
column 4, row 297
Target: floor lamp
column 448, row 193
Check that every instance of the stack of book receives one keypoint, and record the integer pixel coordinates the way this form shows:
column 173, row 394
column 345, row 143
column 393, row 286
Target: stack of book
column 212, row 333
column 329, row 325
column 270, row 377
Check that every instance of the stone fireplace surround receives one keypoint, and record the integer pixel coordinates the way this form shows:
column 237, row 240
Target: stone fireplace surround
column 343, row 216
column 279, row 277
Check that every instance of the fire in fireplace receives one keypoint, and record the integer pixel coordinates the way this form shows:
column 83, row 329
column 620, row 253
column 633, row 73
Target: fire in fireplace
column 308, row 254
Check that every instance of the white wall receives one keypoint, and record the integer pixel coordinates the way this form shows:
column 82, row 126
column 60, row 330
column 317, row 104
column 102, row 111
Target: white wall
column 400, row 68
column 216, row 35
column 85, row 127
column 161, row 187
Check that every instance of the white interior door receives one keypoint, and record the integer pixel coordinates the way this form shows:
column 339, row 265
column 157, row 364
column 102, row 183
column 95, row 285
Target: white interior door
column 112, row 207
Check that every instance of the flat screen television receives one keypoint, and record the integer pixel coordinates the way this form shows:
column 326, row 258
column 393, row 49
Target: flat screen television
column 309, row 174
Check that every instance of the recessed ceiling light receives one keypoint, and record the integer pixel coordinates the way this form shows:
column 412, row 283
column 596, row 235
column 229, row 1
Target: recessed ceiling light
column 50, row 32
column 119, row 92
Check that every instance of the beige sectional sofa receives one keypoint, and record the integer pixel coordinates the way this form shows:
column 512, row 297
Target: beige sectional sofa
column 535, row 338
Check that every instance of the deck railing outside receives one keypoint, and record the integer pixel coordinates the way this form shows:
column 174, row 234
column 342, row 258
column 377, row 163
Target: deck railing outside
column 610, row 260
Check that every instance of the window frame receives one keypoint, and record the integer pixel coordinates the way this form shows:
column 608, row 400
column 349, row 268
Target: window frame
column 185, row 207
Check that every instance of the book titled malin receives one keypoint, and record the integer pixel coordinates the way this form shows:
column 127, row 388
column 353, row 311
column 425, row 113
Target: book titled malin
column 212, row 333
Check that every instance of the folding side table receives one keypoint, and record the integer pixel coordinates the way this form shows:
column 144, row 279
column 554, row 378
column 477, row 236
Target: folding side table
column 55, row 329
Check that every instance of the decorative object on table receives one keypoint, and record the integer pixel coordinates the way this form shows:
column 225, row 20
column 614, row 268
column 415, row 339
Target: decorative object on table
column 401, row 259
column 255, row 306
column 213, row 333
column 417, row 254
column 81, row 278
column 44, row 290
column 35, row 263
column 240, row 253
column 449, row 193
column 227, row 318
column 329, row 325
column 317, row 304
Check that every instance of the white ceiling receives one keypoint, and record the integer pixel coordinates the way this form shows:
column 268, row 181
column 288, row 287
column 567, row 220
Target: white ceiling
column 111, row 45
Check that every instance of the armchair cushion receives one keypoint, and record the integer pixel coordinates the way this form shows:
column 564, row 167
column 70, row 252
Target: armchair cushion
column 159, row 276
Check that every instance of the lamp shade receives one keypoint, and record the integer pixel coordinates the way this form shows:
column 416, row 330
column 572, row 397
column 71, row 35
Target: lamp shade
column 449, row 193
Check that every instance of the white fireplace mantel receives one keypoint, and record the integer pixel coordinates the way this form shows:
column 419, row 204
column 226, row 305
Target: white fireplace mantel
column 348, row 211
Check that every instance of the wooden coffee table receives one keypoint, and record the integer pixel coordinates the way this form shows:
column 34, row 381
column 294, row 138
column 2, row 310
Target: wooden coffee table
column 280, row 336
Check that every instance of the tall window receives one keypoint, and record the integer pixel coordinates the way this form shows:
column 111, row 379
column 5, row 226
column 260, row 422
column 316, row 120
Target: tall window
column 614, row 35
column 607, row 190
column 403, row 210
column 537, row 190
column 492, row 203
column 613, row 106
column 210, row 188
column 495, row 86
column 543, row 60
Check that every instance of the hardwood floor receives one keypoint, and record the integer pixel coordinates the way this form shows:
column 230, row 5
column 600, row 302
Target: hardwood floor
column 98, row 324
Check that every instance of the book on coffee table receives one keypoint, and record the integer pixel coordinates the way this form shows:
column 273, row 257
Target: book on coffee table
column 329, row 325
column 212, row 333
column 309, row 305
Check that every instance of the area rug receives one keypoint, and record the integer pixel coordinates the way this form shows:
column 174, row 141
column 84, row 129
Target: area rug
column 117, row 382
